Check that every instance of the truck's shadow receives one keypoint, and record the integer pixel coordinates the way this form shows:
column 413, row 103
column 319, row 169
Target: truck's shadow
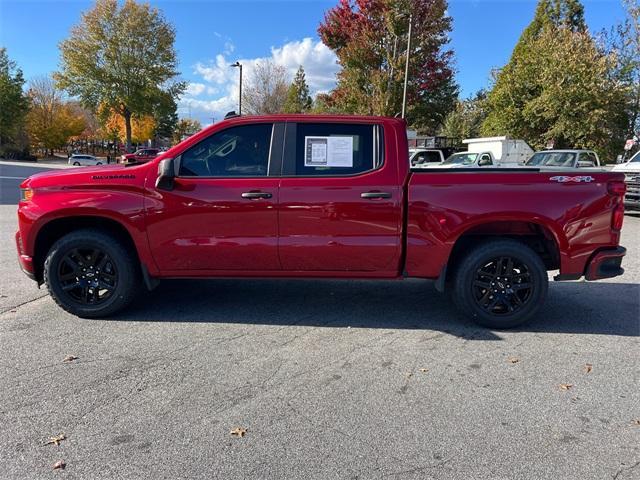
column 575, row 308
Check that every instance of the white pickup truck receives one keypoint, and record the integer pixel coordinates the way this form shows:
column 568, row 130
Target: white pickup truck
column 631, row 170
column 489, row 152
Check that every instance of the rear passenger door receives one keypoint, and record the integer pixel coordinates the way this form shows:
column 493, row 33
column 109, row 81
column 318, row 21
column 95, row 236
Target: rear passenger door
column 340, row 201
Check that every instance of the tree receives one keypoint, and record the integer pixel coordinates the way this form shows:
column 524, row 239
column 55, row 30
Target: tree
column 51, row 122
column 370, row 37
column 13, row 103
column 265, row 91
column 466, row 120
column 185, row 128
column 624, row 44
column 165, row 115
column 298, row 98
column 558, row 86
column 122, row 57
column 142, row 127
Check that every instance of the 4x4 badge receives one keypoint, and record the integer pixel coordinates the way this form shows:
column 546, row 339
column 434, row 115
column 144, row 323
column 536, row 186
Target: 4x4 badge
column 576, row 179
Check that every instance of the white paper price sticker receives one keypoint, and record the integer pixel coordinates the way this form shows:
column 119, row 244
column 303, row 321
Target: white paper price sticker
column 328, row 152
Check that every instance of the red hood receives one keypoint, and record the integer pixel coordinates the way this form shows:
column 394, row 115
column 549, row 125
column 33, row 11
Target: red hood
column 79, row 175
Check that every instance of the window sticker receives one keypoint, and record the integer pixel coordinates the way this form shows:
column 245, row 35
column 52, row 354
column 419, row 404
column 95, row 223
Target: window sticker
column 328, row 151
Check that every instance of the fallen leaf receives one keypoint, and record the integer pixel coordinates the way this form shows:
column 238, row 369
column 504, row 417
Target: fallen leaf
column 238, row 431
column 566, row 386
column 587, row 368
column 409, row 375
column 636, row 422
column 59, row 465
column 70, row 358
column 56, row 440
column 513, row 359
column 424, row 370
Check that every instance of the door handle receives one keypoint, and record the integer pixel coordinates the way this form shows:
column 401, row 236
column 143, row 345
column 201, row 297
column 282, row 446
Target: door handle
column 374, row 195
column 256, row 195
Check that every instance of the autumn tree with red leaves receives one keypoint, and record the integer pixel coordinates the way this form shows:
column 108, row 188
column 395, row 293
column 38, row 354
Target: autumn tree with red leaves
column 370, row 41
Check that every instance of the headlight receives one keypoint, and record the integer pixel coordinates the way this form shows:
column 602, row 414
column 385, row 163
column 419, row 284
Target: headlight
column 26, row 194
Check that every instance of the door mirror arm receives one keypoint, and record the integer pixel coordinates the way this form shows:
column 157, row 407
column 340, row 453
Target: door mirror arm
column 166, row 175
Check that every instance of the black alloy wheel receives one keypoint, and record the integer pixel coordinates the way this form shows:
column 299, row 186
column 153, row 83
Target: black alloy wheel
column 502, row 286
column 88, row 275
column 92, row 273
column 500, row 283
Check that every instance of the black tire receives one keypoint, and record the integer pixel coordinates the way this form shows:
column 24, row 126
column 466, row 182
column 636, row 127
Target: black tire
column 76, row 164
column 99, row 163
column 500, row 284
column 83, row 260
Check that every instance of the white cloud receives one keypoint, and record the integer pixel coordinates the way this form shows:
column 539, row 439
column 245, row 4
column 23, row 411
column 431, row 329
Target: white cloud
column 194, row 89
column 220, row 80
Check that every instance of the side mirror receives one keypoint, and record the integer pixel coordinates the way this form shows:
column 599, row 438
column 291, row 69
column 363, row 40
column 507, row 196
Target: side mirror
column 166, row 174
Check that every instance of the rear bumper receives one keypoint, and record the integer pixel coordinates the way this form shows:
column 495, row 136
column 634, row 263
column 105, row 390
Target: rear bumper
column 605, row 264
column 25, row 261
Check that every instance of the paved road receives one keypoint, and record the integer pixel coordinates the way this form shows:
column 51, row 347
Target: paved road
column 327, row 378
column 11, row 175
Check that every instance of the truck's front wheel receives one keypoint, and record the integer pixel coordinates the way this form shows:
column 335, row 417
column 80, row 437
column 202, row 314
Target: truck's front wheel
column 500, row 284
column 90, row 273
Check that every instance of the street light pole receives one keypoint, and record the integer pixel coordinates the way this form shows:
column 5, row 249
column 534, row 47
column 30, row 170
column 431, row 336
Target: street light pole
column 239, row 65
column 406, row 68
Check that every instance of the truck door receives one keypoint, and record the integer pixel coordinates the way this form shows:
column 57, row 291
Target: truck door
column 222, row 213
column 340, row 200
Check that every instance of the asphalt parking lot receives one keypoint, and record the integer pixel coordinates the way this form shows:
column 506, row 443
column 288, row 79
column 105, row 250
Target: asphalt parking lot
column 330, row 379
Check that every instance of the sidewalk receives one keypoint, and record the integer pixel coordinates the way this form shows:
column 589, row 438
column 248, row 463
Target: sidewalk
column 60, row 163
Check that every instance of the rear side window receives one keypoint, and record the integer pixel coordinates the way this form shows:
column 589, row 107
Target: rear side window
column 241, row 151
column 336, row 149
column 432, row 157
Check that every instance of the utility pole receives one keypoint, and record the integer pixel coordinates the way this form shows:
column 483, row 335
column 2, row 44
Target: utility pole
column 406, row 68
column 239, row 65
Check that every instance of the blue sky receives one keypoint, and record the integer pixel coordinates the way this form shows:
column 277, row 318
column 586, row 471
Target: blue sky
column 211, row 34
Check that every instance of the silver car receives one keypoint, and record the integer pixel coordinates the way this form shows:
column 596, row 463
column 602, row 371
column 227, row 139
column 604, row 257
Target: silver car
column 84, row 160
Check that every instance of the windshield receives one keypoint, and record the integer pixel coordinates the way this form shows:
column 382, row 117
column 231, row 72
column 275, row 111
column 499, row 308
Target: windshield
column 552, row 159
column 635, row 158
column 461, row 159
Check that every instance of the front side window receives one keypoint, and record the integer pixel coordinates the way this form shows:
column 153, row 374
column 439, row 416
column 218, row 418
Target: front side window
column 335, row 149
column 241, row 151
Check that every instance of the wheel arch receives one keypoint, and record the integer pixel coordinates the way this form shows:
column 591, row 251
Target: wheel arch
column 56, row 228
column 539, row 237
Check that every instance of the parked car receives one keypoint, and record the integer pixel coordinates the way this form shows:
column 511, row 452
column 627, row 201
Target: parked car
column 489, row 152
column 631, row 170
column 140, row 156
column 84, row 160
column 468, row 160
column 424, row 157
column 322, row 197
column 565, row 159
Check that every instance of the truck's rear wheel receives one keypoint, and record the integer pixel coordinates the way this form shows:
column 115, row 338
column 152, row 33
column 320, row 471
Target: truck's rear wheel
column 89, row 273
column 500, row 284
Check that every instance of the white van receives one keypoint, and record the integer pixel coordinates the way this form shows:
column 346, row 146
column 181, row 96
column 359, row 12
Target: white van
column 490, row 152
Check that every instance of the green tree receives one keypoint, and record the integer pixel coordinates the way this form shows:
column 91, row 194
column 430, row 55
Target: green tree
column 370, row 39
column 298, row 98
column 465, row 121
column 624, row 43
column 166, row 117
column 14, row 104
column 558, row 85
column 122, row 57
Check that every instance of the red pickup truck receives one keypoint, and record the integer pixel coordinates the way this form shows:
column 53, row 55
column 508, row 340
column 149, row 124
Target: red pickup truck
column 323, row 197
column 141, row 155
